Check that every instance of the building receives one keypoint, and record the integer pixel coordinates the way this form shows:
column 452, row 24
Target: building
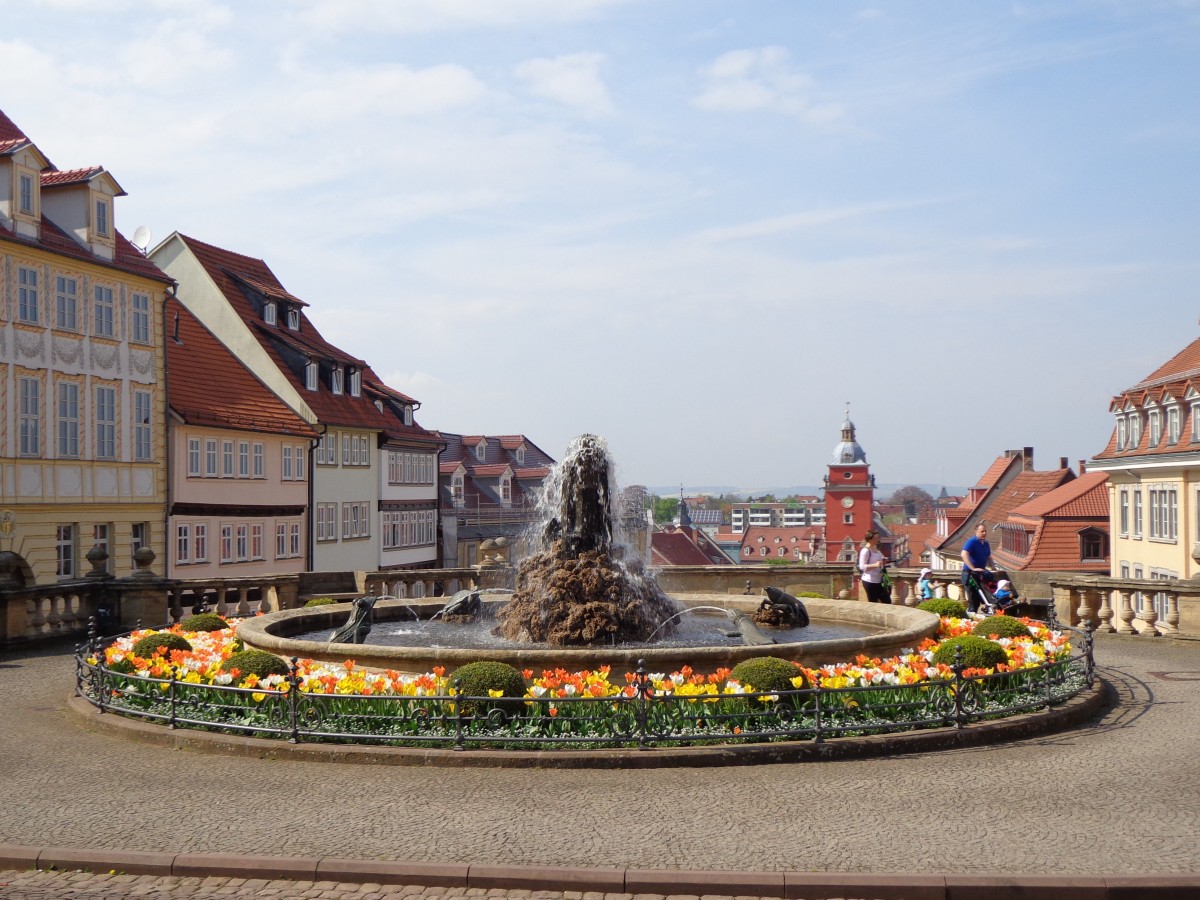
column 489, row 489
column 239, row 463
column 83, row 405
column 1063, row 530
column 1152, row 460
column 850, row 501
column 1009, row 482
column 372, row 473
column 761, row 543
column 800, row 512
column 683, row 544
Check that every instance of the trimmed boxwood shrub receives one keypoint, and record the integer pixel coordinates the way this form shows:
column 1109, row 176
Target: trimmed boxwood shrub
column 256, row 662
column 1001, row 626
column 767, row 673
column 478, row 679
column 944, row 606
column 204, row 622
column 148, row 645
column 319, row 601
column 978, row 652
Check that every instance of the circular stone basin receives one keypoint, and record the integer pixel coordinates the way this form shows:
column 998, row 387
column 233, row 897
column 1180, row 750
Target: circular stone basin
column 889, row 629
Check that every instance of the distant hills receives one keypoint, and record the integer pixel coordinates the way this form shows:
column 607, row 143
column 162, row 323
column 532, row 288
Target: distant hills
column 882, row 491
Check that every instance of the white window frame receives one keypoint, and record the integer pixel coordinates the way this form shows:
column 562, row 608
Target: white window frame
column 281, row 540
column 226, row 544
column 27, row 296
column 260, row 460
column 294, row 545
column 270, row 313
column 193, row 460
column 1155, row 427
column 143, row 412
column 200, row 532
column 227, row 465
column 26, row 193
column 1121, row 433
column 66, row 303
column 326, row 517
column 1173, row 424
column 105, row 415
column 212, row 459
column 1123, row 506
column 312, row 373
column 103, row 217
column 293, row 318
column 183, row 543
column 68, row 420
column 337, row 379
column 355, row 383
column 30, row 415
column 256, row 541
column 243, row 459
column 103, row 311
column 1137, row 513
column 139, row 318
column 301, row 454
column 285, row 471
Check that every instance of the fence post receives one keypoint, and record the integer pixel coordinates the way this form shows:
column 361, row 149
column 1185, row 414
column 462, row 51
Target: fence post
column 959, row 713
column 293, row 681
column 818, row 738
column 642, row 687
column 174, row 681
column 456, row 685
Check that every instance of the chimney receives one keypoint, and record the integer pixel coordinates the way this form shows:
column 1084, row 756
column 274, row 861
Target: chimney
column 1083, row 467
column 1062, row 462
column 1027, row 459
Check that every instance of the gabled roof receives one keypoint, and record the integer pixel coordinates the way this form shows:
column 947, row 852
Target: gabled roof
column 1078, row 498
column 126, row 257
column 685, row 547
column 55, row 178
column 13, row 139
column 1054, row 524
column 210, row 386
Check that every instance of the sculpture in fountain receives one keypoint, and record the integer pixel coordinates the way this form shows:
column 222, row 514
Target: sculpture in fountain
column 358, row 626
column 781, row 609
column 576, row 590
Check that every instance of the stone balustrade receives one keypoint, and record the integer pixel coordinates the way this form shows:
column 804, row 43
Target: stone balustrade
column 1129, row 606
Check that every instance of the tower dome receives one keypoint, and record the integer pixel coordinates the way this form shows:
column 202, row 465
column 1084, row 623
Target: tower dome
column 848, row 451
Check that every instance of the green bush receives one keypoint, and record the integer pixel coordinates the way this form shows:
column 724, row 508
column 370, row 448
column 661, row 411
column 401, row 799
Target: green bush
column 766, row 674
column 1001, row 626
column 148, row 645
column 256, row 662
column 944, row 606
column 319, row 601
column 813, row 594
column 204, row 622
column 479, row 679
column 978, row 653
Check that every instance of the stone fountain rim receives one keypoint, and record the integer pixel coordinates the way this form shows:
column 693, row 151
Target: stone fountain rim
column 901, row 627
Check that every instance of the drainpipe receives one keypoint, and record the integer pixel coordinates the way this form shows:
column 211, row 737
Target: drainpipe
column 168, row 295
column 310, row 518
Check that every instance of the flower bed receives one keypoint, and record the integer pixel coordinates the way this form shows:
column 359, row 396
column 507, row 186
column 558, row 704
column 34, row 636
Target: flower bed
column 322, row 701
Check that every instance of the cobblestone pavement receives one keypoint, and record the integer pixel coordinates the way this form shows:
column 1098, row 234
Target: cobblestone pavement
column 1116, row 797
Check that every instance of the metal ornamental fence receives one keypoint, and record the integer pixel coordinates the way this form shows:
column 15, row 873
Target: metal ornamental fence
column 641, row 716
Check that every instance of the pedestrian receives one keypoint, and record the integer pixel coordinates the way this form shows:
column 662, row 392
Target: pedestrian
column 976, row 556
column 925, row 588
column 871, row 563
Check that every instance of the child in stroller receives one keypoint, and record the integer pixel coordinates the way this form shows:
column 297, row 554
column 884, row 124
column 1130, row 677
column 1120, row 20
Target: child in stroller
column 998, row 592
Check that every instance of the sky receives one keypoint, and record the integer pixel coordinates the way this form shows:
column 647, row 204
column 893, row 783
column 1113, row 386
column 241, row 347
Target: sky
column 699, row 229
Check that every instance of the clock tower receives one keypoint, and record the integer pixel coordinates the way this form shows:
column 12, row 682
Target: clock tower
column 849, row 498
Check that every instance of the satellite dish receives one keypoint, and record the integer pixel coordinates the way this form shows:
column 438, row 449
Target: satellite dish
column 141, row 238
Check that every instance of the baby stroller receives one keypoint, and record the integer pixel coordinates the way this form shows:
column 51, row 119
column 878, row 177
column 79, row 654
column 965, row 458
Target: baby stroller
column 996, row 591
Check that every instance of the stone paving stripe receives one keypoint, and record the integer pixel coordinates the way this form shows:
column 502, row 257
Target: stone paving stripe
column 205, row 865
column 668, row 882
column 1153, row 887
column 1005, row 887
column 19, row 856
column 883, row 886
column 382, row 872
column 556, row 878
column 123, row 862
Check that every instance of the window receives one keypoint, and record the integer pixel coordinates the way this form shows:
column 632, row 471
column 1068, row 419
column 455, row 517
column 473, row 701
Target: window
column 141, row 425
column 747, row 551
column 293, row 319
column 1155, row 427
column 481, row 450
column 1137, row 513
column 27, row 295
column 337, row 379
column 270, row 313
column 506, row 490
column 106, row 423
column 286, row 473
column 193, row 458
column 201, row 542
column 1135, row 429
column 139, row 537
column 356, row 520
column 326, row 521
column 1194, row 412
column 1173, row 425
column 1171, row 523
column 226, row 543
column 1091, row 546
column 68, row 419
column 294, row 539
column 256, row 541
column 1121, row 434
column 26, row 190
column 65, row 551
column 103, row 311
column 140, row 321
column 102, row 217
column 300, row 453
column 327, row 450
column 456, row 488
column 243, row 459
column 364, row 450
column 280, row 540
column 1124, row 511
column 183, row 543
column 66, row 302
column 227, row 459
column 311, row 373
column 521, row 455
column 30, row 414
column 260, row 460
column 346, row 441
column 847, row 518
column 210, row 458
column 100, row 535
column 355, row 383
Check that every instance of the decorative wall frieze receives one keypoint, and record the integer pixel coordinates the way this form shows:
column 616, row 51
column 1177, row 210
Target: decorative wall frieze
column 106, row 358
column 142, row 362
column 67, row 350
column 30, row 344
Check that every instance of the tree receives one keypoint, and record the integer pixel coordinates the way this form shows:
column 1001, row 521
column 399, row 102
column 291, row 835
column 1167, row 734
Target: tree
column 665, row 509
column 917, row 503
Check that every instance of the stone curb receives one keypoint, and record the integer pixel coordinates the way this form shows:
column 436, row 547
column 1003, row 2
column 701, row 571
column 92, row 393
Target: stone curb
column 791, row 885
column 1079, row 709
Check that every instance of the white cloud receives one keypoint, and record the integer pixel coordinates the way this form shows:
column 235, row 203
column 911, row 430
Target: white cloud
column 390, row 89
column 426, row 16
column 762, row 79
column 573, row 80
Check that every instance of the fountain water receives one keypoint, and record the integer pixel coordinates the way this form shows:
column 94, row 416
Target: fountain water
column 576, row 589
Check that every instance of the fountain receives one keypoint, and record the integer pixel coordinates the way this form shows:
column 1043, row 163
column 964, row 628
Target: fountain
column 579, row 603
column 576, row 590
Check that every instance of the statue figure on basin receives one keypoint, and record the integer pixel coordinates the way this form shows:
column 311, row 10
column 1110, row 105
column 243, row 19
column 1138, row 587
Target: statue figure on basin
column 781, row 609
column 576, row 590
column 464, row 606
column 358, row 626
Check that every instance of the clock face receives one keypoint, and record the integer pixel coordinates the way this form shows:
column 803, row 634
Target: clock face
column 847, row 502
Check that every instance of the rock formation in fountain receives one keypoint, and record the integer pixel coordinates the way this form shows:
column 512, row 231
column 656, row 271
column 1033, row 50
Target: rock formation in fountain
column 576, row 591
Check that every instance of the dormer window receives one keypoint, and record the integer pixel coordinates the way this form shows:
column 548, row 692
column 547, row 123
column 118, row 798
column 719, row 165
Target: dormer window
column 26, row 194
column 355, row 383
column 1173, row 425
column 1135, row 429
column 407, row 415
column 102, row 223
column 1155, row 428
column 505, row 489
column 270, row 313
column 481, row 450
column 293, row 319
column 337, row 380
column 521, row 455
column 311, row 372
column 1121, row 434
column 456, row 488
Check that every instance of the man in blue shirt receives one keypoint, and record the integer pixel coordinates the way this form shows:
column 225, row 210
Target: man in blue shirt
column 976, row 555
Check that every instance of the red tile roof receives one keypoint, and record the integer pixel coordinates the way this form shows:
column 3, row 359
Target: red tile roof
column 676, row 548
column 1076, row 498
column 70, row 176
column 126, row 257
column 1053, row 523
column 210, row 386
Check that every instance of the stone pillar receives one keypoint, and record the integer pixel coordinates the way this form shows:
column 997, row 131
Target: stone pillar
column 1171, row 622
column 1086, row 611
column 1124, row 611
column 142, row 597
column 1106, row 612
column 1149, row 616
